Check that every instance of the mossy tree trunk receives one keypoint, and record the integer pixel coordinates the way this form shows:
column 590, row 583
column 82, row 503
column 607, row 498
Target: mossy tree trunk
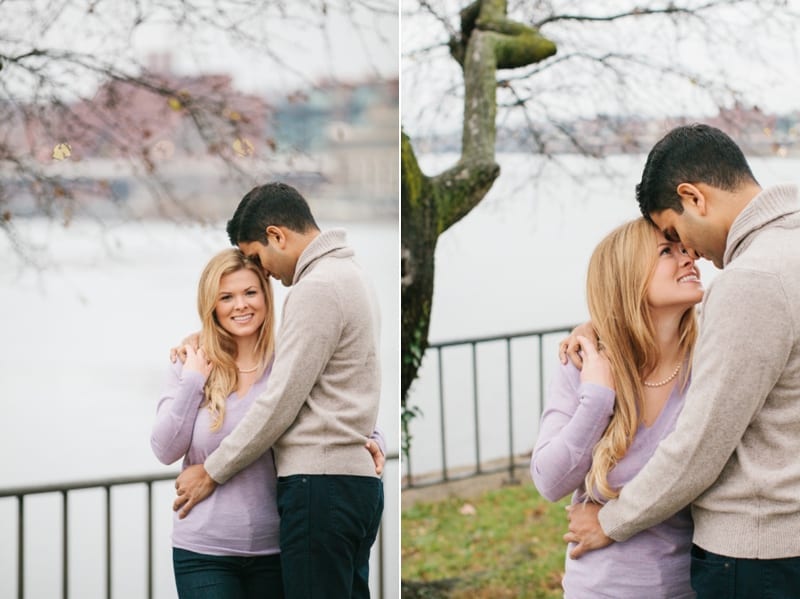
column 488, row 41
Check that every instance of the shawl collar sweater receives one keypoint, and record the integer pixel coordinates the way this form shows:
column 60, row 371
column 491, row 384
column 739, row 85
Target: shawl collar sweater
column 734, row 452
column 321, row 402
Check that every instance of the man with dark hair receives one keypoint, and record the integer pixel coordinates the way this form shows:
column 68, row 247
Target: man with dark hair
column 320, row 404
column 696, row 153
column 276, row 203
column 734, row 452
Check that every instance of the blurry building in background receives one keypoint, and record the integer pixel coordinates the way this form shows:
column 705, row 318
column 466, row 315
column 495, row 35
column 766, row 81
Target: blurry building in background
column 351, row 130
column 338, row 143
column 758, row 133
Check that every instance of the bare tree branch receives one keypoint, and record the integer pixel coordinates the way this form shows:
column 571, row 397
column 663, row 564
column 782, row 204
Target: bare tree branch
column 670, row 9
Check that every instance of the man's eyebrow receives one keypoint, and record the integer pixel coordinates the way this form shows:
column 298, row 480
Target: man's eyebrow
column 671, row 235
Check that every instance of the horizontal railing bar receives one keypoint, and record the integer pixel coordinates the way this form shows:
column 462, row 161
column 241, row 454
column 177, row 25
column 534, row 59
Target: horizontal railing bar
column 102, row 482
column 87, row 484
column 502, row 337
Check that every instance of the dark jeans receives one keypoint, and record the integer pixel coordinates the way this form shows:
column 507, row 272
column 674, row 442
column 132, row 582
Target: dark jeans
column 328, row 525
column 200, row 576
column 720, row 577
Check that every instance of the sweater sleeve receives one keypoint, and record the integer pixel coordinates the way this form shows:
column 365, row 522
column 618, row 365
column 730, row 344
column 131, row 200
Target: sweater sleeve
column 379, row 438
column 740, row 354
column 310, row 331
column 176, row 413
column 576, row 416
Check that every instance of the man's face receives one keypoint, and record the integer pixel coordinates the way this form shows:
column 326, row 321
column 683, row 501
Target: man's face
column 697, row 234
column 273, row 262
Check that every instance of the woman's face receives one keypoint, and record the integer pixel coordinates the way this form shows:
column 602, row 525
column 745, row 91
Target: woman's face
column 241, row 305
column 676, row 280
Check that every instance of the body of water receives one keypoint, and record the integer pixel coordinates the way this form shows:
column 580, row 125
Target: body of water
column 86, row 344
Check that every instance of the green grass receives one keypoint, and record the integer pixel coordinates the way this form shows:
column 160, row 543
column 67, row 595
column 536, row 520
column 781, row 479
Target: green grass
column 511, row 547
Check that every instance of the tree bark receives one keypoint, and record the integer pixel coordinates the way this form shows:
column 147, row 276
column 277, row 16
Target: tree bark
column 429, row 205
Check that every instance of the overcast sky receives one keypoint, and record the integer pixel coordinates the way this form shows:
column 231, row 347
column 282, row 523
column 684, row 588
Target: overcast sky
column 361, row 45
column 290, row 46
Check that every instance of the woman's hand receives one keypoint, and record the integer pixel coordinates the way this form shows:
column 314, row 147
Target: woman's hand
column 596, row 367
column 569, row 347
column 196, row 360
column 180, row 350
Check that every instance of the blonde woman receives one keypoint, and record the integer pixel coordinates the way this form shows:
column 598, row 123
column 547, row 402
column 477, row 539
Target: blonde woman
column 228, row 546
column 603, row 422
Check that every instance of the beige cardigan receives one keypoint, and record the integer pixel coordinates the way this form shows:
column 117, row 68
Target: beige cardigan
column 321, row 401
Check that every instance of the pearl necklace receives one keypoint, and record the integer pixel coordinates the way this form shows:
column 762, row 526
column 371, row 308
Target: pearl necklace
column 666, row 380
column 253, row 369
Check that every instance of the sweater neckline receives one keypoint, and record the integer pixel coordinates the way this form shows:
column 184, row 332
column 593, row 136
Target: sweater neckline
column 324, row 243
column 772, row 203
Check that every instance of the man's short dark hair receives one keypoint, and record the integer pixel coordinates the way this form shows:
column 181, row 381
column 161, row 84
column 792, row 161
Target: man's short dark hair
column 690, row 154
column 275, row 204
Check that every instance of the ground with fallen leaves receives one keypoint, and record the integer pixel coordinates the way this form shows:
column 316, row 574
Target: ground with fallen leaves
column 505, row 543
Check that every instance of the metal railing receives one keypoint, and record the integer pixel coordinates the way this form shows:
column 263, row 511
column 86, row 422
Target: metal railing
column 480, row 466
column 64, row 490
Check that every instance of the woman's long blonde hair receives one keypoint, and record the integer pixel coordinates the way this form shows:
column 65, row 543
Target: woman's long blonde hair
column 219, row 344
column 616, row 287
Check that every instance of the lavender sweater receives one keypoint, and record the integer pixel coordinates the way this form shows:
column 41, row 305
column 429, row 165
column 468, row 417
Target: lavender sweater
column 653, row 563
column 241, row 516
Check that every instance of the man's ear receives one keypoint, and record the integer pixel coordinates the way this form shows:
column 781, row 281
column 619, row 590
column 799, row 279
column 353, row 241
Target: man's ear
column 277, row 234
column 692, row 198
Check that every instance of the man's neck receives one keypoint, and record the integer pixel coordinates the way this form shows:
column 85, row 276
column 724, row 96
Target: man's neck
column 737, row 200
column 300, row 241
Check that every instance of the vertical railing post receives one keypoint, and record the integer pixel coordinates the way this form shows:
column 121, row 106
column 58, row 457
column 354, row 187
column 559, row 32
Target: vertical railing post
column 441, row 414
column 21, row 547
column 65, row 547
column 475, row 409
column 149, row 540
column 512, row 479
column 380, row 559
column 108, row 542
